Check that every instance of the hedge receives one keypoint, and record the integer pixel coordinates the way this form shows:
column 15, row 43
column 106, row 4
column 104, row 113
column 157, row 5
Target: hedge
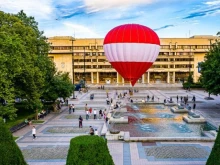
column 214, row 157
column 10, row 154
column 194, row 85
column 88, row 150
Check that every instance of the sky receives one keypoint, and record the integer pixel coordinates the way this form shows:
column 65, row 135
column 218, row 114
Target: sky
column 94, row 18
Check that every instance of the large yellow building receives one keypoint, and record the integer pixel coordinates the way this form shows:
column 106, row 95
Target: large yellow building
column 86, row 59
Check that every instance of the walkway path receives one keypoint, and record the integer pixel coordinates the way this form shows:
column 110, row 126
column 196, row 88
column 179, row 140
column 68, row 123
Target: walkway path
column 52, row 143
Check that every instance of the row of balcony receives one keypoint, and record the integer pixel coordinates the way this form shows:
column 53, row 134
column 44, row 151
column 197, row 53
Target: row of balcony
column 81, row 70
column 155, row 63
column 101, row 52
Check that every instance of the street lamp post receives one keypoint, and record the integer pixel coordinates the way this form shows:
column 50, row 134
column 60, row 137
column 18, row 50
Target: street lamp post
column 73, row 73
column 84, row 74
column 189, row 78
column 190, row 59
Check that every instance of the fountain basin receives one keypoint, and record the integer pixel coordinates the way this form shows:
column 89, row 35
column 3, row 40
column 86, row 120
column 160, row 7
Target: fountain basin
column 170, row 104
column 190, row 119
column 110, row 136
column 127, row 138
column 175, row 109
column 120, row 120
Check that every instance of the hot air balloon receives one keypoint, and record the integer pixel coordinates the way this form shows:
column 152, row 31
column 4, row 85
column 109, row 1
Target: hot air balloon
column 131, row 49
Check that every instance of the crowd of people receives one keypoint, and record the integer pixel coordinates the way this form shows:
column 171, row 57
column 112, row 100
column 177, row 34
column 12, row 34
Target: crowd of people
column 71, row 108
column 184, row 101
column 93, row 113
column 42, row 114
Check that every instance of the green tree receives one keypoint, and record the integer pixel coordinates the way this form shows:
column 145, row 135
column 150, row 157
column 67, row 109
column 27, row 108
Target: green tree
column 9, row 151
column 60, row 86
column 214, row 158
column 210, row 69
column 190, row 78
column 26, row 70
column 38, row 68
column 11, row 62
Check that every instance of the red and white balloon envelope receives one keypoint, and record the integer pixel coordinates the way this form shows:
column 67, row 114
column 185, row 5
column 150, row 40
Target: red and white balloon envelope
column 131, row 49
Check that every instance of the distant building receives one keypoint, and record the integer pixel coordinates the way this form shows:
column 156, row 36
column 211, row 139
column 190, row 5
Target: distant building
column 177, row 57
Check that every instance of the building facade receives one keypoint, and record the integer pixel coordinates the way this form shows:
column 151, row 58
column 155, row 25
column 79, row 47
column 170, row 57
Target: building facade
column 85, row 59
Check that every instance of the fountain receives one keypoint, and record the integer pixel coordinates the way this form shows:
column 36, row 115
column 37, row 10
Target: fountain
column 118, row 117
column 194, row 118
column 180, row 108
column 152, row 123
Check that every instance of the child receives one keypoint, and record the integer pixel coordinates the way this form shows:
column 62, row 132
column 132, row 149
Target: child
column 34, row 132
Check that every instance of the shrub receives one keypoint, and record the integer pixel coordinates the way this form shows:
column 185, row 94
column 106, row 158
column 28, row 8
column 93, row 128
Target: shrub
column 214, row 158
column 190, row 78
column 9, row 151
column 194, row 85
column 88, row 150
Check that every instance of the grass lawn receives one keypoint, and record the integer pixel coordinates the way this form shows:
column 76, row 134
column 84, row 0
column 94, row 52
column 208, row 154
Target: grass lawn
column 37, row 121
column 15, row 137
column 19, row 119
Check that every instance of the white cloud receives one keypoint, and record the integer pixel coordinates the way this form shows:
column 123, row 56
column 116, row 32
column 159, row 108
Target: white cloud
column 213, row 3
column 97, row 5
column 40, row 9
column 70, row 29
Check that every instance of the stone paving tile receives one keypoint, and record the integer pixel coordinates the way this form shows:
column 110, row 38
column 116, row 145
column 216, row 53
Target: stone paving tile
column 116, row 150
column 67, row 130
column 51, row 139
column 42, row 144
column 45, row 152
column 177, row 152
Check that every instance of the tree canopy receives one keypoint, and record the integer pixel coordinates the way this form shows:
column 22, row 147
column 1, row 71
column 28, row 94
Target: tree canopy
column 214, row 157
column 60, row 86
column 210, row 69
column 26, row 70
column 9, row 150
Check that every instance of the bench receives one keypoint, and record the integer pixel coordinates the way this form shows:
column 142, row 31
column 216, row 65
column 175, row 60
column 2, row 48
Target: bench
column 19, row 126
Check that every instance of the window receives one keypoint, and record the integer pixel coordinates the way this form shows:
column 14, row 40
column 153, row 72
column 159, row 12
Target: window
column 100, row 47
column 60, row 47
column 161, row 59
column 203, row 46
column 165, row 46
column 159, row 66
column 101, row 60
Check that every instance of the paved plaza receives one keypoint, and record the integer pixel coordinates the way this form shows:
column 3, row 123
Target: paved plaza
column 53, row 136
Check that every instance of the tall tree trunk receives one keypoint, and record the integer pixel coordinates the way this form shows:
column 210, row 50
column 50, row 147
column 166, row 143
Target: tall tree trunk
column 36, row 115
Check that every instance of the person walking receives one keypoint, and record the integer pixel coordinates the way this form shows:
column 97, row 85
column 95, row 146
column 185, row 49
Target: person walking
column 70, row 107
column 148, row 97
column 87, row 115
column 100, row 114
column 94, row 112
column 194, row 106
column 104, row 113
column 34, row 132
column 106, row 120
column 177, row 98
column 80, row 121
column 86, row 107
column 194, row 99
column 90, row 111
column 73, row 107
